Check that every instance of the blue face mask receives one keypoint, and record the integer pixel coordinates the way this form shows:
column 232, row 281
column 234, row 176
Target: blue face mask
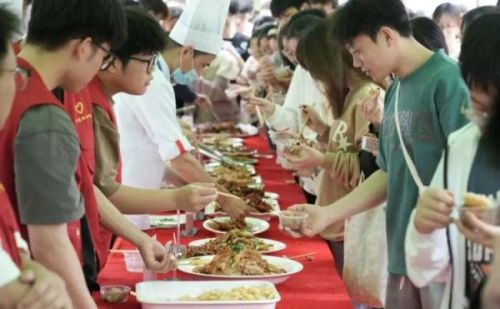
column 182, row 78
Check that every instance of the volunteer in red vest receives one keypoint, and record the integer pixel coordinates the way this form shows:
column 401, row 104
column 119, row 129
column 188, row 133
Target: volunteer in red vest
column 150, row 135
column 40, row 164
column 23, row 282
column 130, row 72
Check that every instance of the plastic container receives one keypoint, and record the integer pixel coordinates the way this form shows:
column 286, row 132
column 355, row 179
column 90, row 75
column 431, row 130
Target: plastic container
column 116, row 294
column 292, row 219
column 133, row 262
column 166, row 294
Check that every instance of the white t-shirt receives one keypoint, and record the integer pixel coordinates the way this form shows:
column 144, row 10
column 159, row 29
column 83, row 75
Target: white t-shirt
column 150, row 135
column 8, row 269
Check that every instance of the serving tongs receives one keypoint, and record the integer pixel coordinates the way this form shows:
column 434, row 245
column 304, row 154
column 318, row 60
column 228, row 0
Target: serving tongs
column 218, row 156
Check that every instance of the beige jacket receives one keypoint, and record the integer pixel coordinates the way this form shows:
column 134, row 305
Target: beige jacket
column 341, row 168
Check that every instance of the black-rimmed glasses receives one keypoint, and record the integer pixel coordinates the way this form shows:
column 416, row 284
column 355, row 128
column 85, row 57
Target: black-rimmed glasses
column 21, row 76
column 108, row 60
column 150, row 62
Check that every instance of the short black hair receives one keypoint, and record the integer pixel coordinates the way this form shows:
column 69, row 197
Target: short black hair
column 234, row 7
column 55, row 22
column 479, row 54
column 359, row 17
column 158, row 7
column 8, row 26
column 278, row 7
column 446, row 8
column 335, row 3
column 480, row 67
column 474, row 14
column 144, row 35
column 303, row 22
column 171, row 44
column 427, row 32
column 261, row 20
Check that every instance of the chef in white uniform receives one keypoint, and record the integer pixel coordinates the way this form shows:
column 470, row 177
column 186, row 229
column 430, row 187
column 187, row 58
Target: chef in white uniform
column 150, row 135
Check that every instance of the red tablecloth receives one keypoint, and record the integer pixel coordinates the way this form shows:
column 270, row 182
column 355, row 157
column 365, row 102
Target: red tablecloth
column 317, row 286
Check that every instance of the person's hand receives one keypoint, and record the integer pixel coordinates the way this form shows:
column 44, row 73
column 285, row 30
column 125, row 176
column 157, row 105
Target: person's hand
column 477, row 231
column 315, row 223
column 47, row 289
column 196, row 196
column 266, row 107
column 234, row 207
column 203, row 101
column 433, row 210
column 312, row 119
column 372, row 107
column 306, row 158
column 156, row 256
column 265, row 73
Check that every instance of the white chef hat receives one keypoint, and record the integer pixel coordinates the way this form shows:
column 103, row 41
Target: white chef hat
column 201, row 25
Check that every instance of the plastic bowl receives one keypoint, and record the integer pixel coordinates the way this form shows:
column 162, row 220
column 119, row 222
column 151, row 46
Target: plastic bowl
column 115, row 293
column 292, row 219
column 490, row 215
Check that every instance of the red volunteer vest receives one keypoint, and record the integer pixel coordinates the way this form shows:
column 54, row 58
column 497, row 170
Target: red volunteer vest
column 8, row 226
column 36, row 94
column 99, row 99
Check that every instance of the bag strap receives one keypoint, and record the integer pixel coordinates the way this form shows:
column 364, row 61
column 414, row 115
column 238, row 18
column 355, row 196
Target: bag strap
column 408, row 160
column 448, row 238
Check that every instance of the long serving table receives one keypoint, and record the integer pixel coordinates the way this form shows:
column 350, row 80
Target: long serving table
column 317, row 286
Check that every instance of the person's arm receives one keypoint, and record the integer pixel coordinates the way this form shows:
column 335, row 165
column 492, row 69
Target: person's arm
column 155, row 255
column 51, row 247
column 191, row 170
column 34, row 288
column 371, row 193
column 491, row 293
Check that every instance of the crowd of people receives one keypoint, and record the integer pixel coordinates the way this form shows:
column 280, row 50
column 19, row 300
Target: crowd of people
column 396, row 114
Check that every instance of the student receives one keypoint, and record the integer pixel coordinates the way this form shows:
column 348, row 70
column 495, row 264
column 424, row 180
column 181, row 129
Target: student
column 44, row 173
column 150, row 134
column 24, row 283
column 449, row 18
column 131, row 72
column 472, row 165
column 431, row 96
column 285, row 9
column 345, row 87
column 303, row 90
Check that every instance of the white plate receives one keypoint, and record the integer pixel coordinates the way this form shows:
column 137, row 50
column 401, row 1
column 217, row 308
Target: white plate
column 257, row 226
column 210, row 210
column 212, row 166
column 248, row 129
column 290, row 266
column 276, row 245
column 229, row 141
column 165, row 294
column 165, row 221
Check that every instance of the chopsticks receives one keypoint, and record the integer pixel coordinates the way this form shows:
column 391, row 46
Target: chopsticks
column 223, row 193
column 301, row 132
column 123, row 251
column 296, row 257
column 260, row 116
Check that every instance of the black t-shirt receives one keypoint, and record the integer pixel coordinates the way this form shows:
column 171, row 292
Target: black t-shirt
column 484, row 179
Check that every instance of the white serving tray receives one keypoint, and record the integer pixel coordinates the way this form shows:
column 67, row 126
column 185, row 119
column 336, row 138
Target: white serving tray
column 164, row 294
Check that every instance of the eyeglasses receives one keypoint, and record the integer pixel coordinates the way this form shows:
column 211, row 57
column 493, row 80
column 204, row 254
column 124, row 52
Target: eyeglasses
column 108, row 60
column 21, row 76
column 151, row 63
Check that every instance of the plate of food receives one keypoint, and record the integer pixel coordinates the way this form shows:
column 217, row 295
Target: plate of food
column 216, row 169
column 207, row 294
column 235, row 239
column 222, row 225
column 229, row 128
column 260, row 207
column 165, row 221
column 242, row 265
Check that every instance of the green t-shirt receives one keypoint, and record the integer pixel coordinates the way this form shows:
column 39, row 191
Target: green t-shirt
column 430, row 103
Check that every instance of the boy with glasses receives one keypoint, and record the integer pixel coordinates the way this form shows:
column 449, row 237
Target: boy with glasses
column 130, row 71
